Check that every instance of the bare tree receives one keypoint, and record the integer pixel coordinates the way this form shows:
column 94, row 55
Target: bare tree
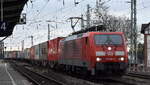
column 111, row 22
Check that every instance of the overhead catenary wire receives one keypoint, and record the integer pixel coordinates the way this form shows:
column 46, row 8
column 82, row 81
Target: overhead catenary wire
column 63, row 10
column 33, row 23
column 39, row 12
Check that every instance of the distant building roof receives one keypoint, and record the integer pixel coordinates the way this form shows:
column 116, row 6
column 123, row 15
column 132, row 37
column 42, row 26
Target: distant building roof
column 144, row 27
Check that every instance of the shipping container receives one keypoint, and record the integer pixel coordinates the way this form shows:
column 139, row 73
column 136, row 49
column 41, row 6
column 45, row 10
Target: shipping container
column 53, row 46
column 15, row 54
column 20, row 55
column 27, row 53
column 6, row 54
column 37, row 52
column 43, row 50
column 32, row 53
column 11, row 54
column 1, row 49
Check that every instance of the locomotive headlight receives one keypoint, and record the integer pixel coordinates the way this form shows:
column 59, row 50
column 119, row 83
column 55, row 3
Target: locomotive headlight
column 98, row 59
column 119, row 53
column 122, row 58
column 109, row 48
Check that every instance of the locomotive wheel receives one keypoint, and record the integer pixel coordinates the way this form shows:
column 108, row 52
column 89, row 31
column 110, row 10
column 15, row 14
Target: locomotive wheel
column 52, row 65
column 93, row 71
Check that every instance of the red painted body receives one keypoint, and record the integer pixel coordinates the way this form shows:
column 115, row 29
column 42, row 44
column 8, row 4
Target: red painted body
column 32, row 53
column 84, row 51
column 109, row 57
column 53, row 46
column 82, row 48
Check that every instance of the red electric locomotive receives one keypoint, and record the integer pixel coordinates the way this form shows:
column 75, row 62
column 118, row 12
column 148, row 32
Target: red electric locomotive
column 94, row 51
column 91, row 52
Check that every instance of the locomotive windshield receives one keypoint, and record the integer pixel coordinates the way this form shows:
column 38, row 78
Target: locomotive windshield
column 108, row 39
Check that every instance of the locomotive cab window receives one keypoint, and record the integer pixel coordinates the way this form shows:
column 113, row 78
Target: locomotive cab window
column 108, row 40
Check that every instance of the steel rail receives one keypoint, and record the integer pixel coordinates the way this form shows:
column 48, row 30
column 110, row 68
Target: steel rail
column 143, row 76
column 118, row 80
column 30, row 75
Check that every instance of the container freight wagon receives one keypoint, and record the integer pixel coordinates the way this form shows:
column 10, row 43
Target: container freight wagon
column 53, row 48
column 37, row 52
column 20, row 55
column 32, row 53
column 1, row 49
column 27, row 53
column 7, row 53
column 12, row 54
column 43, row 50
column 15, row 54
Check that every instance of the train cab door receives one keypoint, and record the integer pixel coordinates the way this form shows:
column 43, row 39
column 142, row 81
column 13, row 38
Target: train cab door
column 86, row 46
column 87, row 50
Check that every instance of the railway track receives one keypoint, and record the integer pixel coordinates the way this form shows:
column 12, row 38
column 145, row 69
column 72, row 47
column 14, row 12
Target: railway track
column 105, row 80
column 36, row 78
column 143, row 76
column 133, row 79
column 40, row 79
column 113, row 81
column 120, row 81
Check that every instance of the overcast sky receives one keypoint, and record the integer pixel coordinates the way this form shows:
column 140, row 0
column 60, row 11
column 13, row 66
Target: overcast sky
column 40, row 11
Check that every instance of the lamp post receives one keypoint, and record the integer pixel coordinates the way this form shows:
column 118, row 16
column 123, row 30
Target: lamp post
column 48, row 32
column 1, row 10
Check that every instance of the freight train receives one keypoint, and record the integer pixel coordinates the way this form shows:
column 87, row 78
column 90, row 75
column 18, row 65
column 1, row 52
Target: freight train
column 91, row 52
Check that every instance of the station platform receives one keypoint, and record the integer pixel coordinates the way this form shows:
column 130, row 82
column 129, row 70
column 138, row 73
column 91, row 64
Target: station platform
column 8, row 76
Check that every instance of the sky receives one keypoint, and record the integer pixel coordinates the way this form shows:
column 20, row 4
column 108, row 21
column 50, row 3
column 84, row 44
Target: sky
column 40, row 13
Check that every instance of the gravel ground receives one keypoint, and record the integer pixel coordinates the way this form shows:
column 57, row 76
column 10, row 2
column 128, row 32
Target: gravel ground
column 68, row 80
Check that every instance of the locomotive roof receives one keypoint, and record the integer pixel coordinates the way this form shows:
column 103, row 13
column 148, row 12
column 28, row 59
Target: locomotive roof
column 72, row 37
column 90, row 29
column 105, row 32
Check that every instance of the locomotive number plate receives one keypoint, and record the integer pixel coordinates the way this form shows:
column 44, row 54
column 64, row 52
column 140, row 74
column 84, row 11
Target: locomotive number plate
column 110, row 53
column 109, row 58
